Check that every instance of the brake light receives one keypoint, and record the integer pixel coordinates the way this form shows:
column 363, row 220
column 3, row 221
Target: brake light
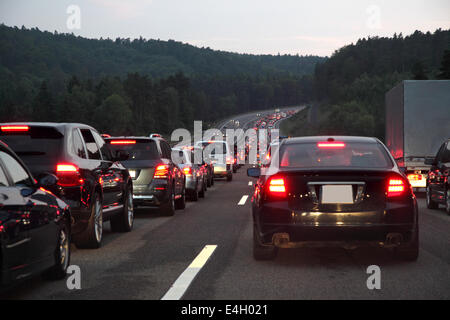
column 122, row 142
column 331, row 145
column 187, row 171
column 277, row 186
column 396, row 187
column 68, row 175
column 14, row 128
column 161, row 172
column 415, row 177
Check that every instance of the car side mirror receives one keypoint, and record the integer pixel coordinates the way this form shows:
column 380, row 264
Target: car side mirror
column 254, row 172
column 47, row 180
column 121, row 155
column 430, row 161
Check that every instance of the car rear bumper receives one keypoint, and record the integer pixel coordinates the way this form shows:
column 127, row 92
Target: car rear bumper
column 152, row 195
column 222, row 170
column 297, row 236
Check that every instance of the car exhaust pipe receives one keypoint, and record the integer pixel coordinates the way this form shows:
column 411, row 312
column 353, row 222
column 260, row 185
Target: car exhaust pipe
column 393, row 240
column 280, row 239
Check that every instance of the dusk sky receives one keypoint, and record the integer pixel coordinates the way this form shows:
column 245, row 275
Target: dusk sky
column 245, row 26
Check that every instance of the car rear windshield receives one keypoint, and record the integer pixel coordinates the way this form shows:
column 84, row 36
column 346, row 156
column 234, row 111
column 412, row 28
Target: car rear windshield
column 138, row 149
column 345, row 155
column 37, row 145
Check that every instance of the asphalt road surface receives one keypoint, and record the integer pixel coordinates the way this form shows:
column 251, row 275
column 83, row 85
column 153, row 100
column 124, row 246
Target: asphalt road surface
column 145, row 263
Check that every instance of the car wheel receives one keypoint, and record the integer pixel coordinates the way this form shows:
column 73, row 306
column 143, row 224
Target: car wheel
column 201, row 194
column 180, row 204
column 430, row 203
column 212, row 180
column 229, row 177
column 123, row 222
column 410, row 252
column 169, row 209
column 208, row 182
column 261, row 252
column 91, row 238
column 62, row 256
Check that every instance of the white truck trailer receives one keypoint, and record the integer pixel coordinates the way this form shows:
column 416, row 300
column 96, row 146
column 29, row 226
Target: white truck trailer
column 417, row 123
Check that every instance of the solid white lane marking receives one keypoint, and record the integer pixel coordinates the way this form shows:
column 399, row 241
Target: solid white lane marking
column 243, row 200
column 179, row 287
column 250, row 183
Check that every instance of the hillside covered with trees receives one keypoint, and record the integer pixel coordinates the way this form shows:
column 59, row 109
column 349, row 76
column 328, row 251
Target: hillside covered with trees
column 350, row 87
column 151, row 85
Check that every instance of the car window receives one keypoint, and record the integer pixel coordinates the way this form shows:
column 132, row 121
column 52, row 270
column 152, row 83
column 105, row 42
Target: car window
column 104, row 149
column 138, row 149
column 18, row 174
column 37, row 146
column 446, row 153
column 351, row 155
column 78, row 147
column 3, row 180
column 91, row 145
column 166, row 150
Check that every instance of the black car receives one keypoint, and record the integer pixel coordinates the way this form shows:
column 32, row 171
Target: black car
column 90, row 178
column 343, row 191
column 158, row 182
column 438, row 181
column 34, row 224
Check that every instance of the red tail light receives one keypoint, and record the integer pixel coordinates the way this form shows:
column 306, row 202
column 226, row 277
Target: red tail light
column 68, row 175
column 331, row 145
column 187, row 171
column 415, row 177
column 277, row 186
column 161, row 172
column 14, row 128
column 396, row 187
column 122, row 142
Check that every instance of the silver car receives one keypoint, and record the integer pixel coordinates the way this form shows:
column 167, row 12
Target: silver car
column 194, row 170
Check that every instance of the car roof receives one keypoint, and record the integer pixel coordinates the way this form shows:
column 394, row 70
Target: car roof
column 59, row 126
column 329, row 138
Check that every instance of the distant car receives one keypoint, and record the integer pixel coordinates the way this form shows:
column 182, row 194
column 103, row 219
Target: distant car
column 339, row 191
column 91, row 179
column 196, row 175
column 219, row 154
column 157, row 181
column 34, row 224
column 438, row 181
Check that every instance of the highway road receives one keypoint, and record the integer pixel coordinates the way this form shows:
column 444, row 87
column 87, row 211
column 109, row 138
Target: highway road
column 145, row 263
column 205, row 252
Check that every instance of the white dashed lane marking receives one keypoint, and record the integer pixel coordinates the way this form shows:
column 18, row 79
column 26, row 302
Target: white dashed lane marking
column 178, row 289
column 243, row 200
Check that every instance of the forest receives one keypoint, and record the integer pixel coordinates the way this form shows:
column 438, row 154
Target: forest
column 139, row 86
column 350, row 87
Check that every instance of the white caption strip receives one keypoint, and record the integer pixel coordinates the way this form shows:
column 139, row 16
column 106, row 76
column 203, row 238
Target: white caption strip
column 178, row 289
column 243, row 200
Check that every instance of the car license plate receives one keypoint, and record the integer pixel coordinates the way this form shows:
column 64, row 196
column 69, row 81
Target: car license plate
column 337, row 194
column 132, row 173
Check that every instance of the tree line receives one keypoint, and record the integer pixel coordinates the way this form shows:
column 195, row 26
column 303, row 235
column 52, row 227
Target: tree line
column 350, row 87
column 139, row 86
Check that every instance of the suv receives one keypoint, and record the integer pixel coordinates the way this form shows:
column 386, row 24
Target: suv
column 157, row 180
column 438, row 183
column 90, row 178
column 219, row 155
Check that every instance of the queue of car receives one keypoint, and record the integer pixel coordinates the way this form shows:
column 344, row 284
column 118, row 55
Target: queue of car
column 59, row 182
